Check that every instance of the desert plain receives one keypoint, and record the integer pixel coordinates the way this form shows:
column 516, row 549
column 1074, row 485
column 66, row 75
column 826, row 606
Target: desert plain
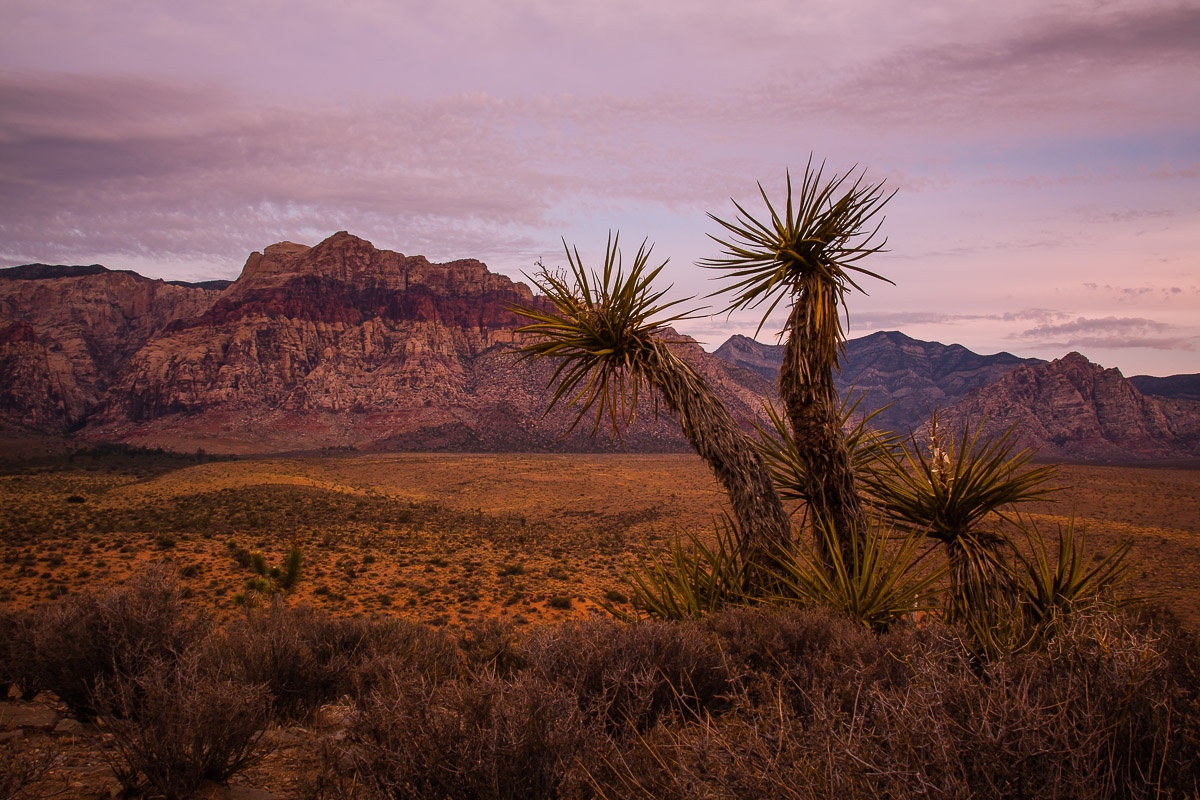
column 449, row 539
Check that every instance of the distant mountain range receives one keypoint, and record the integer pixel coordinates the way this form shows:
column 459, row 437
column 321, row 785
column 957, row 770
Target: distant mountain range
column 343, row 345
column 1068, row 408
column 900, row 377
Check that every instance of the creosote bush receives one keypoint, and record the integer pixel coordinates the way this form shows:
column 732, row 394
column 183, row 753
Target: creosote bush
column 179, row 724
column 746, row 702
column 794, row 703
column 68, row 646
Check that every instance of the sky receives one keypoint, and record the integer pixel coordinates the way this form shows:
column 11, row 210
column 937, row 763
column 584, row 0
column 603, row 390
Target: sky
column 1045, row 155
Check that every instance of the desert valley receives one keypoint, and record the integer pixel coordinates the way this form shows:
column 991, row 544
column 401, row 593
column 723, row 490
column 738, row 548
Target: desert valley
column 348, row 431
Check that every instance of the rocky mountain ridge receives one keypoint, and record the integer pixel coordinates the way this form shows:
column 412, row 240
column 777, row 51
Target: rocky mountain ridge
column 344, row 345
column 1069, row 408
column 336, row 345
column 895, row 375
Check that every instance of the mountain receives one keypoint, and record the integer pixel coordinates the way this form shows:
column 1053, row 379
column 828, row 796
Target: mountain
column 904, row 377
column 1072, row 408
column 1175, row 387
column 66, row 332
column 343, row 345
column 1069, row 408
column 336, row 345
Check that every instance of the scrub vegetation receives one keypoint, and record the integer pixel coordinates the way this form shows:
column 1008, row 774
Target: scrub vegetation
column 872, row 616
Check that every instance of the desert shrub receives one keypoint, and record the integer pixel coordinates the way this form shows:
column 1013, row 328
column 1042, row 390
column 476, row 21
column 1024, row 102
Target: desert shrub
column 800, row 654
column 398, row 647
column 67, row 646
column 493, row 645
column 485, row 737
column 180, row 723
column 628, row 675
column 299, row 655
column 295, row 654
column 14, row 638
column 306, row 658
column 1102, row 712
column 20, row 770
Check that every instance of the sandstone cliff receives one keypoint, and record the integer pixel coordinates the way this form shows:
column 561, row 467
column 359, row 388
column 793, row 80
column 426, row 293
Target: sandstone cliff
column 1072, row 408
column 346, row 345
column 66, row 332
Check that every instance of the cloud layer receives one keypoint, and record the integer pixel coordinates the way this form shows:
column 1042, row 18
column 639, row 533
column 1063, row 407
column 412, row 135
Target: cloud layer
column 1046, row 156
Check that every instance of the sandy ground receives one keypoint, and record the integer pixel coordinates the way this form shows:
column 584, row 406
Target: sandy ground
column 444, row 539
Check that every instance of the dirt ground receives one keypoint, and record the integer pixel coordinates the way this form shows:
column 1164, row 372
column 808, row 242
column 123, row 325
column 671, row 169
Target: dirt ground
column 449, row 538
column 443, row 539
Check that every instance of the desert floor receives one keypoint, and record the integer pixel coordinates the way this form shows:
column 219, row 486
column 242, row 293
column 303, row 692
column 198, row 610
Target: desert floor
column 450, row 538
column 444, row 539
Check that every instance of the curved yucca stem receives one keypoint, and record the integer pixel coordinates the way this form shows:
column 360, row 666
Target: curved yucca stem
column 809, row 256
column 606, row 331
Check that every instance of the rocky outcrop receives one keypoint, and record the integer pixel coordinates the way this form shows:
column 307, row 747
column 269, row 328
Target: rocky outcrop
column 899, row 377
column 346, row 345
column 1074, row 409
column 343, row 345
column 66, row 332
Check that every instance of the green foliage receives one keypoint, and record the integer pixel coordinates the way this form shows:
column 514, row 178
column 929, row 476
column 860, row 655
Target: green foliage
column 291, row 568
column 812, row 248
column 268, row 580
column 1054, row 586
column 947, row 489
column 692, row 579
column 880, row 584
column 870, row 450
column 599, row 331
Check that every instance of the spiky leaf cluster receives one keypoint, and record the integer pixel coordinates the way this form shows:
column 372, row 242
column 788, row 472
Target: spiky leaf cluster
column 948, row 489
column 807, row 255
column 599, row 331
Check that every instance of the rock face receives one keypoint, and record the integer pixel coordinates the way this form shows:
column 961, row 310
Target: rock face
column 1072, row 408
column 337, row 345
column 66, row 332
column 344, row 345
column 904, row 377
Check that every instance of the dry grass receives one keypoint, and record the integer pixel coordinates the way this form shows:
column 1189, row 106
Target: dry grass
column 454, row 539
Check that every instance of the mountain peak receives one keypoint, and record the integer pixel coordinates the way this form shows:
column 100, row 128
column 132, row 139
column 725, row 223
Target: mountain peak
column 1072, row 407
column 353, row 261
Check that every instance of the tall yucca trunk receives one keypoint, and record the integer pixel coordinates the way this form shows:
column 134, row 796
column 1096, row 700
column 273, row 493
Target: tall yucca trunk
column 807, row 390
column 728, row 451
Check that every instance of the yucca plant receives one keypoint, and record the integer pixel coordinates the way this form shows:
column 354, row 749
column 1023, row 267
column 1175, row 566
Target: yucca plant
column 947, row 491
column 882, row 583
column 608, row 333
column 808, row 256
column 1053, row 586
column 693, row 579
column 869, row 449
